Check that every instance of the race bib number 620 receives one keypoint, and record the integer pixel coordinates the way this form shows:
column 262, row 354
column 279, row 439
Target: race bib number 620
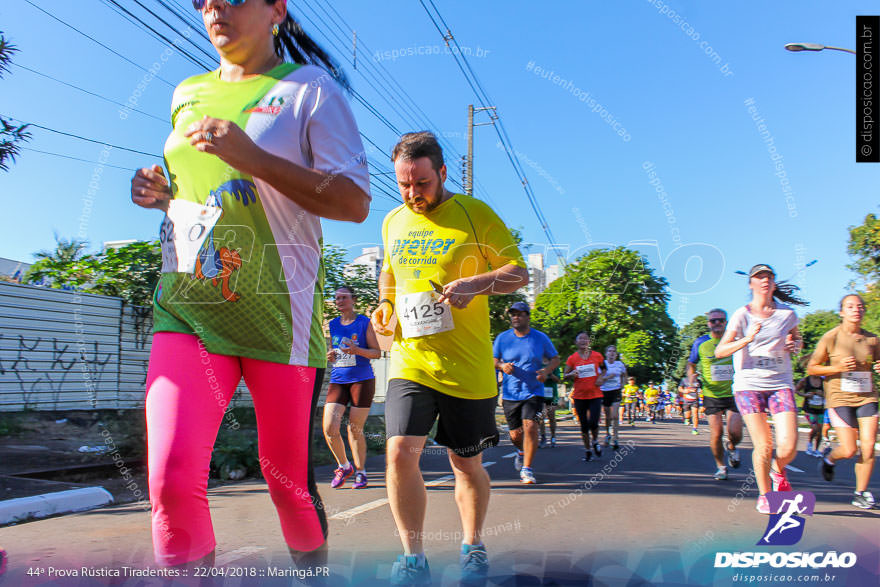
column 183, row 232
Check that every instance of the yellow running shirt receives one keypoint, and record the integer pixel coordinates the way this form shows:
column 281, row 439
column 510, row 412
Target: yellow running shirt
column 630, row 393
column 651, row 395
column 461, row 237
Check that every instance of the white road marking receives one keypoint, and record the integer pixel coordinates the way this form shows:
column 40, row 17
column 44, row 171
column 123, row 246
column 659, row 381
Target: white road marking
column 510, row 456
column 795, row 469
column 359, row 509
column 350, row 513
column 237, row 554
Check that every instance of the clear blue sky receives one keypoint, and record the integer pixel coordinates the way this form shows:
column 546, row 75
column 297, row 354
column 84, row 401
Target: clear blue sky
column 680, row 111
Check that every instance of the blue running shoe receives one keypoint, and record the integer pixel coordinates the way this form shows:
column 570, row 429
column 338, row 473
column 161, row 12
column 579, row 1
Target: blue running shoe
column 474, row 565
column 406, row 572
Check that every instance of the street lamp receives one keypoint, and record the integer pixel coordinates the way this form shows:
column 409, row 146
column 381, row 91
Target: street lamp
column 796, row 47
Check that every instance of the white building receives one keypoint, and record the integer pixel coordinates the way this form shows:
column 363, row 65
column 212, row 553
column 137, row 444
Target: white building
column 371, row 258
column 540, row 276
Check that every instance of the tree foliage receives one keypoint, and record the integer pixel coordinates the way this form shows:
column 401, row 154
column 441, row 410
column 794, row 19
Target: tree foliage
column 11, row 135
column 357, row 277
column 687, row 334
column 498, row 305
column 812, row 326
column 129, row 272
column 864, row 247
column 614, row 295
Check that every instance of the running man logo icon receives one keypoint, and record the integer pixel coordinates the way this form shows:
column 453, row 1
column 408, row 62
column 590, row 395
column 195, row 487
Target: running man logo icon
column 786, row 526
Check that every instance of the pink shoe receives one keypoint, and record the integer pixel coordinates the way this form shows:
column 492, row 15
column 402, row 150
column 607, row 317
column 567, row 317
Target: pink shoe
column 780, row 481
column 340, row 475
column 360, row 481
column 763, row 506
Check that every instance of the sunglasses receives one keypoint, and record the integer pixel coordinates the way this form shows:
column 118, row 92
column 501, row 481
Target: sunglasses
column 200, row 4
column 713, row 320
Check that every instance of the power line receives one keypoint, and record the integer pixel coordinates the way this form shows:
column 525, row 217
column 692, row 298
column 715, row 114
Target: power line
column 54, row 79
column 122, row 11
column 120, row 55
column 82, row 138
column 483, row 97
column 392, row 99
column 77, row 159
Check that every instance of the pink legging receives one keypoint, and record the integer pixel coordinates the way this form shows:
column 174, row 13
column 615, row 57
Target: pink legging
column 188, row 390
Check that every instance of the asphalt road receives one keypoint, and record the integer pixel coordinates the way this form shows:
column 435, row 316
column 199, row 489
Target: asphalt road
column 650, row 514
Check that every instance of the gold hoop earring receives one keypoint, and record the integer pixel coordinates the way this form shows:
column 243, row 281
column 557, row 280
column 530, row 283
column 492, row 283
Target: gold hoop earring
column 274, row 30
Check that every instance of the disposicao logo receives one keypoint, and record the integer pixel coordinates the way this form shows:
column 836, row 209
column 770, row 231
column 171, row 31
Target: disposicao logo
column 785, row 528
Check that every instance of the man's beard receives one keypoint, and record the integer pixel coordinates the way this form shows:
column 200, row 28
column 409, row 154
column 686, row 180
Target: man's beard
column 441, row 191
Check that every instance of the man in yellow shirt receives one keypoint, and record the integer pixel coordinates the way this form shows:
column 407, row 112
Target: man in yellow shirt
column 630, row 395
column 652, row 400
column 445, row 254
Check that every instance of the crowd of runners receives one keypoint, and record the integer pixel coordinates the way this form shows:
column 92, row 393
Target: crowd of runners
column 262, row 149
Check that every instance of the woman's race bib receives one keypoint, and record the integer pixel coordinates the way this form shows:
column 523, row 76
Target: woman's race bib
column 816, row 401
column 772, row 362
column 586, row 370
column 548, row 392
column 183, row 232
column 420, row 314
column 856, row 382
column 344, row 359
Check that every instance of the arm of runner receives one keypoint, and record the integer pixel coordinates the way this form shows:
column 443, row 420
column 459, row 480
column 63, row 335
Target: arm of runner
column 381, row 316
column 547, row 371
column 504, row 280
column 799, row 388
column 820, row 356
column 328, row 195
column 503, row 367
column 727, row 345
column 372, row 350
column 149, row 188
column 793, row 342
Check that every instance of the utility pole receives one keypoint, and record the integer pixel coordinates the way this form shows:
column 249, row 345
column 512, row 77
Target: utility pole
column 469, row 162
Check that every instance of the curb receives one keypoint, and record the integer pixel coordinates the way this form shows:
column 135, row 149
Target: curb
column 49, row 504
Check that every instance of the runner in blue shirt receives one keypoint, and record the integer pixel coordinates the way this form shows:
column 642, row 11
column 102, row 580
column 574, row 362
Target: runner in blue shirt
column 519, row 354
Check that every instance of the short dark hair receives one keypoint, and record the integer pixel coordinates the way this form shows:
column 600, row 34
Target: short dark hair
column 716, row 311
column 348, row 289
column 415, row 145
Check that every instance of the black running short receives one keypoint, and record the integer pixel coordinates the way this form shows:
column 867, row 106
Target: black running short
column 848, row 416
column 610, row 398
column 466, row 426
column 518, row 410
column 359, row 394
column 719, row 405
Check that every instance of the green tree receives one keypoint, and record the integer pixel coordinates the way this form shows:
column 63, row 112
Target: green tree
column 498, row 305
column 812, row 326
column 611, row 293
column 686, row 336
column 11, row 135
column 129, row 272
column 357, row 277
column 68, row 266
column 864, row 247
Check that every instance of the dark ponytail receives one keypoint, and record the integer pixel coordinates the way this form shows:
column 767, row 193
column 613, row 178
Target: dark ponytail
column 785, row 292
column 302, row 49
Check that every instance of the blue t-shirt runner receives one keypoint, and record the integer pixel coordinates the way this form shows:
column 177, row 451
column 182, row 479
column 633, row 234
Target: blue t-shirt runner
column 350, row 368
column 527, row 353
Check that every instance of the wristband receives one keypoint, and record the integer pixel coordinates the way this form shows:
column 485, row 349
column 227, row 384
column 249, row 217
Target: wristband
column 383, row 300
